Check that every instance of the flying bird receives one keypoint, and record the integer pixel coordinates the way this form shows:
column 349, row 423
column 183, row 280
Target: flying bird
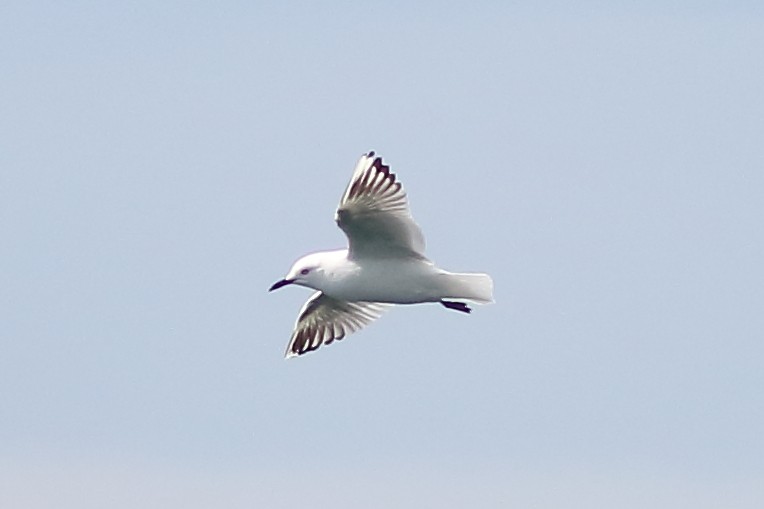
column 384, row 264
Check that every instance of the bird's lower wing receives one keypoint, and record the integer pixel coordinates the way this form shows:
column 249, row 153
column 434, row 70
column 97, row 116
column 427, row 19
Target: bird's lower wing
column 323, row 319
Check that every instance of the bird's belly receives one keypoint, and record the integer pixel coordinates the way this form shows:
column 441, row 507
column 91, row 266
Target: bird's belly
column 395, row 284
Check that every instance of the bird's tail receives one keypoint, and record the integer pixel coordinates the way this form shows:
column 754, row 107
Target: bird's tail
column 474, row 287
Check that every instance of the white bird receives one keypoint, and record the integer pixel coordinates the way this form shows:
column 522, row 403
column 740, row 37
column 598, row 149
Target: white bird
column 384, row 264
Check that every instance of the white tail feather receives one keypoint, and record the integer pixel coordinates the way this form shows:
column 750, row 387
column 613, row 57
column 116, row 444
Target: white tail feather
column 474, row 287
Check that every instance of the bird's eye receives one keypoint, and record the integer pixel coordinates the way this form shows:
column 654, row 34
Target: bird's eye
column 304, row 272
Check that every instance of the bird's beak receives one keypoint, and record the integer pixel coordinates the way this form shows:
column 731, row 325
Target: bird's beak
column 279, row 284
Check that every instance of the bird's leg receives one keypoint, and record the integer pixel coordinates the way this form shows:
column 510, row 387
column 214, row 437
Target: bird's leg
column 458, row 306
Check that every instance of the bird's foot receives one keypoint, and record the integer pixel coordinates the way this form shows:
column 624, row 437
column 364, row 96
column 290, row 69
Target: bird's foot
column 458, row 306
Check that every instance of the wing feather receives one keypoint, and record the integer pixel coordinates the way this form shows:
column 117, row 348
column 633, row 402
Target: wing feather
column 374, row 214
column 323, row 319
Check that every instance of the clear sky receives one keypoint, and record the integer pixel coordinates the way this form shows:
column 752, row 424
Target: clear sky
column 162, row 165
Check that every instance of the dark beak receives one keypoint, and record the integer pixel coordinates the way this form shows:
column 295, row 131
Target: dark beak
column 279, row 284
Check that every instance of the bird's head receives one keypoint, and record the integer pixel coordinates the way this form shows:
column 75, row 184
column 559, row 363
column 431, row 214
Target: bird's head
column 307, row 271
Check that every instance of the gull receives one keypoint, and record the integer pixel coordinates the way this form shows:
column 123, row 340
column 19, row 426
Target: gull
column 384, row 264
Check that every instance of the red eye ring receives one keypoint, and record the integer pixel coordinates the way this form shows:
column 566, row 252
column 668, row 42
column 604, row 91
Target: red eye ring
column 304, row 272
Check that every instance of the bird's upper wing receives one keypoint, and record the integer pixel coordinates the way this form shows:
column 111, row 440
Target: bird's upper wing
column 375, row 216
column 323, row 319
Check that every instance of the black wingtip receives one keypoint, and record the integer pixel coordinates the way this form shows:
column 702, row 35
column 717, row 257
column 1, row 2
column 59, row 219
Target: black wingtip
column 383, row 168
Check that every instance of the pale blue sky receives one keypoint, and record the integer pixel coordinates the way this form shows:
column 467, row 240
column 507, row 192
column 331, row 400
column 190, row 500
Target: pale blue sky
column 161, row 166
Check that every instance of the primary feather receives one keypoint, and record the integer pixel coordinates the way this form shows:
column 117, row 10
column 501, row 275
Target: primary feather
column 374, row 214
column 323, row 319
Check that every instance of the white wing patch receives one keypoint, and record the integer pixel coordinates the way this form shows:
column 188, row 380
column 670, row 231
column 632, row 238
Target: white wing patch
column 323, row 319
column 375, row 216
